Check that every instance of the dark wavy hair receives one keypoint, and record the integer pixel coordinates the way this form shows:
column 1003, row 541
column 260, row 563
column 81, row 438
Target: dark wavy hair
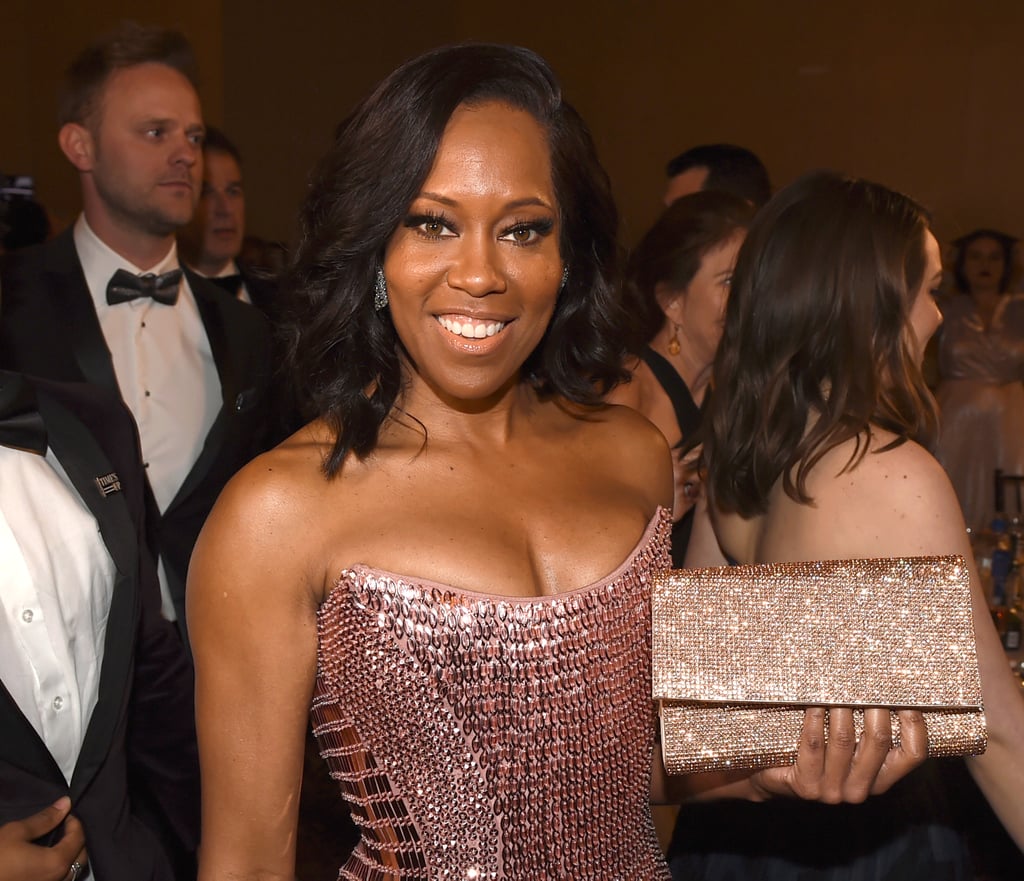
column 1006, row 244
column 343, row 354
column 816, row 332
column 671, row 252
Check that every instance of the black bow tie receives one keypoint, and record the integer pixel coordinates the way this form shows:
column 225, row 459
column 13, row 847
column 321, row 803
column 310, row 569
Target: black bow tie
column 126, row 286
column 21, row 426
column 230, row 283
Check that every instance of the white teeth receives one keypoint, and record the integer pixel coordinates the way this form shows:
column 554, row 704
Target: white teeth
column 470, row 330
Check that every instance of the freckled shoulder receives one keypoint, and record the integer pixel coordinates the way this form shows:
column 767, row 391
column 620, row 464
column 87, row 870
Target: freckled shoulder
column 893, row 503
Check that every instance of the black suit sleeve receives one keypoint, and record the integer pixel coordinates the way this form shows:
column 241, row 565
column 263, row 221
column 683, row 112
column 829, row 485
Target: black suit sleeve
column 161, row 750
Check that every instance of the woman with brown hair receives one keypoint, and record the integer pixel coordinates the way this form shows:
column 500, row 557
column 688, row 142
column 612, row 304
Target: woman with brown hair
column 816, row 447
column 981, row 369
column 677, row 285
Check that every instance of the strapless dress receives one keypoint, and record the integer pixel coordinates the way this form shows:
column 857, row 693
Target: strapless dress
column 480, row 737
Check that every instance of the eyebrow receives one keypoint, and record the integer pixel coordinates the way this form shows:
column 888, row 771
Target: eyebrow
column 515, row 203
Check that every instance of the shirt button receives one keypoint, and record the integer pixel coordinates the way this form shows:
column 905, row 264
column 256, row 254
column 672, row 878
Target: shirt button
column 143, row 323
column 147, row 393
column 58, row 702
column 27, row 616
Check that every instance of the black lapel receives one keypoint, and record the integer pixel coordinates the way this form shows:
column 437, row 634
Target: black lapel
column 217, row 332
column 76, row 314
column 85, row 462
column 21, row 745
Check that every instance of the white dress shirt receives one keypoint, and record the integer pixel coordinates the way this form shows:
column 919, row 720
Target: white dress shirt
column 164, row 367
column 56, row 581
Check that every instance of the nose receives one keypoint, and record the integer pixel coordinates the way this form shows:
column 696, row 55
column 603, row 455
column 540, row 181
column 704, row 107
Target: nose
column 187, row 151
column 220, row 204
column 476, row 268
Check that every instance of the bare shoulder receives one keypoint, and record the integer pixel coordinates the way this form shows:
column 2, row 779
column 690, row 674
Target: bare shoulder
column 893, row 502
column 630, row 445
column 267, row 513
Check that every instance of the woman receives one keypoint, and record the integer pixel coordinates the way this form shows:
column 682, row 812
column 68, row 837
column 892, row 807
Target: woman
column 816, row 448
column 677, row 282
column 450, row 564
column 981, row 365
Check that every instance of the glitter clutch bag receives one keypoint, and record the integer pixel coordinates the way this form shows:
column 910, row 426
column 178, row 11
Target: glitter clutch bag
column 738, row 651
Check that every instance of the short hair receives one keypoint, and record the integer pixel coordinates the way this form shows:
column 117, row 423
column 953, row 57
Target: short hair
column 217, row 141
column 339, row 345
column 817, row 322
column 129, row 45
column 671, row 252
column 730, row 168
column 1006, row 244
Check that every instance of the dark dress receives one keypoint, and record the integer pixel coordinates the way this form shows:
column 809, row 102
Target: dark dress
column 688, row 417
column 908, row 834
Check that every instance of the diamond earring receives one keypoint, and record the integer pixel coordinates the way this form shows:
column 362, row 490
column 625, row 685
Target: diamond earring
column 380, row 291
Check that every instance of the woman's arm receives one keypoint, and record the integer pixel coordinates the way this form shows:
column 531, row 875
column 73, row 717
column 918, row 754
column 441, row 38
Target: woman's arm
column 901, row 503
column 252, row 618
column 833, row 769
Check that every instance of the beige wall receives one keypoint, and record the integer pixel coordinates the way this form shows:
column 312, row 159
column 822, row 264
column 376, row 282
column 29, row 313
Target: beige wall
column 921, row 95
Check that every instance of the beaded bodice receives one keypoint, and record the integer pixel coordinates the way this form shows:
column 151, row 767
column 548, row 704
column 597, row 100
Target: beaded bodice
column 482, row 737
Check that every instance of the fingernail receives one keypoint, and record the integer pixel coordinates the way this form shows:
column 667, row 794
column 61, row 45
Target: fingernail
column 62, row 803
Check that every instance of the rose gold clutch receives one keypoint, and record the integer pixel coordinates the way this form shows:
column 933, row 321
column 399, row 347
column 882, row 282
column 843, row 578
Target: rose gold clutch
column 740, row 650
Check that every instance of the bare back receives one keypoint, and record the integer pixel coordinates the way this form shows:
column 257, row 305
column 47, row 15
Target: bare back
column 893, row 503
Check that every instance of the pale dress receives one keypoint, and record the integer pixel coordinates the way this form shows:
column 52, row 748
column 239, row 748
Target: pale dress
column 981, row 400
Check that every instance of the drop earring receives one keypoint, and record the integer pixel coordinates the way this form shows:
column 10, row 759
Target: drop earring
column 673, row 343
column 565, row 279
column 380, row 291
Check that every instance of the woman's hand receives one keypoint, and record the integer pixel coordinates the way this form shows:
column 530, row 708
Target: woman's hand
column 833, row 765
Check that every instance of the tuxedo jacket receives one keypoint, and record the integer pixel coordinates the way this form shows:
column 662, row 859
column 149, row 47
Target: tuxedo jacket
column 135, row 786
column 49, row 328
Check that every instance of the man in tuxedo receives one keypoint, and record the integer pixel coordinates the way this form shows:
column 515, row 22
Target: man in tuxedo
column 106, row 302
column 212, row 242
column 96, row 691
column 724, row 167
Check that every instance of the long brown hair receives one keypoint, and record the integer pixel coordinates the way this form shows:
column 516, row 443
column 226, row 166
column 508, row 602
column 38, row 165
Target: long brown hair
column 816, row 349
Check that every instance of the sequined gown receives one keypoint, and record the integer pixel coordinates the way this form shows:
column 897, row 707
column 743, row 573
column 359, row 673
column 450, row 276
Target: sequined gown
column 481, row 737
column 981, row 400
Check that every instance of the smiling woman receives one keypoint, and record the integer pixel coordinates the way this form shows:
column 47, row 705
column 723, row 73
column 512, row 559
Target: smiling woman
column 448, row 569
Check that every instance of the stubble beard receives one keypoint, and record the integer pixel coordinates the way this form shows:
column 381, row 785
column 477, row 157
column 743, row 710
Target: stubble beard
column 132, row 212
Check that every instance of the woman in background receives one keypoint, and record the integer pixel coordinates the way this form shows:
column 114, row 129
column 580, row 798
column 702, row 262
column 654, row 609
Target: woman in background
column 981, row 368
column 816, row 448
column 677, row 284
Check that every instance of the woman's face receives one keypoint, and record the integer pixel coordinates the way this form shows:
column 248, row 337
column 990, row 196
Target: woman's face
column 984, row 265
column 699, row 310
column 474, row 270
column 925, row 317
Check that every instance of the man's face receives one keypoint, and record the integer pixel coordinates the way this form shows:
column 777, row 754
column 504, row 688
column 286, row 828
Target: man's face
column 147, row 149
column 221, row 212
column 685, row 183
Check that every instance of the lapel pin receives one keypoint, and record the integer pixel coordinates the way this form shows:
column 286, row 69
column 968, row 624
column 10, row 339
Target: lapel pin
column 108, row 484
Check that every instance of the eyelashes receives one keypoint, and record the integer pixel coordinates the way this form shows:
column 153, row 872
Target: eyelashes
column 432, row 225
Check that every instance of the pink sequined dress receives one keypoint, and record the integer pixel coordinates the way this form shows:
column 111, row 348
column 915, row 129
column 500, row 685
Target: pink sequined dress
column 482, row 737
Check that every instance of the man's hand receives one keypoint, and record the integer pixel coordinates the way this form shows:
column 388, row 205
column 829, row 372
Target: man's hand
column 21, row 860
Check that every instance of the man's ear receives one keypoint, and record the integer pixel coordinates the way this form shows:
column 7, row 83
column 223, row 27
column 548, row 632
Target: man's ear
column 76, row 142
